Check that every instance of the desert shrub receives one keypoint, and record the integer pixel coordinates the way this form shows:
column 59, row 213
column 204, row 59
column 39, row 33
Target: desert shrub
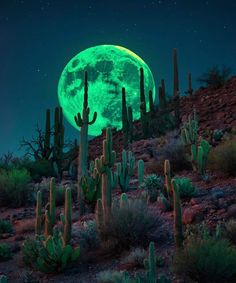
column 215, row 77
column 14, row 186
column 152, row 184
column 49, row 255
column 5, row 226
column 110, row 276
column 174, row 151
column 88, row 236
column 207, row 260
column 136, row 257
column 223, row 158
column 5, row 252
column 186, row 188
column 130, row 225
column 230, row 230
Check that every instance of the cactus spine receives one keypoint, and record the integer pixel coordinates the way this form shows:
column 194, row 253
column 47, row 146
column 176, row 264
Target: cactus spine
column 178, row 230
column 83, row 123
column 38, row 224
column 50, row 213
column 143, row 110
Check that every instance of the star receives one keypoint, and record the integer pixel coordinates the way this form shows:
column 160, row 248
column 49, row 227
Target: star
column 38, row 70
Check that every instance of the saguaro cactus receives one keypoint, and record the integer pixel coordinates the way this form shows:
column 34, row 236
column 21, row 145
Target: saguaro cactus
column 125, row 123
column 162, row 95
column 58, row 139
column 167, row 178
column 178, row 230
column 104, row 166
column 176, row 87
column 38, row 224
column 125, row 170
column 150, row 264
column 83, row 123
column 140, row 171
column 50, row 213
column 143, row 110
column 189, row 90
column 67, row 217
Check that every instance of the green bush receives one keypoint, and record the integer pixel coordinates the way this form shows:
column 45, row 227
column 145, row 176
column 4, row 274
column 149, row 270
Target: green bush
column 153, row 184
column 223, row 158
column 207, row 260
column 39, row 169
column 5, row 252
column 131, row 225
column 14, row 186
column 186, row 188
column 5, row 226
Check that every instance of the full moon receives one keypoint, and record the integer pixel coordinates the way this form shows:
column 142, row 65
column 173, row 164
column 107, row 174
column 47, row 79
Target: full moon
column 109, row 68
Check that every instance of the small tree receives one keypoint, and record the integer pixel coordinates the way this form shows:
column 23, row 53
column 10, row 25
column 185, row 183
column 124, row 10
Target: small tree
column 215, row 77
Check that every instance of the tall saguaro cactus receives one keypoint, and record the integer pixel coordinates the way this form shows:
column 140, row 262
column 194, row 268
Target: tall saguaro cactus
column 104, row 166
column 67, row 217
column 127, row 121
column 50, row 213
column 125, row 124
column 190, row 89
column 83, row 122
column 176, row 88
column 143, row 109
column 58, row 139
column 162, row 95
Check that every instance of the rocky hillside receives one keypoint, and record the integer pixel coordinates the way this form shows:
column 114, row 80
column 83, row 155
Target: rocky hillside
column 216, row 109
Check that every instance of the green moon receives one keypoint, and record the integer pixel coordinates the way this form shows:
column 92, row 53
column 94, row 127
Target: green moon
column 109, row 68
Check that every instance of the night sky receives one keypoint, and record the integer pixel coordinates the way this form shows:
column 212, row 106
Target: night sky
column 38, row 38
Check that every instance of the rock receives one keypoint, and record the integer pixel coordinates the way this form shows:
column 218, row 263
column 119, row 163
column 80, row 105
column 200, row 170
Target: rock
column 217, row 193
column 189, row 215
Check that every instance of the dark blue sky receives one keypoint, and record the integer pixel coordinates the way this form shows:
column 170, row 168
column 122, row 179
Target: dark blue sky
column 38, row 38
